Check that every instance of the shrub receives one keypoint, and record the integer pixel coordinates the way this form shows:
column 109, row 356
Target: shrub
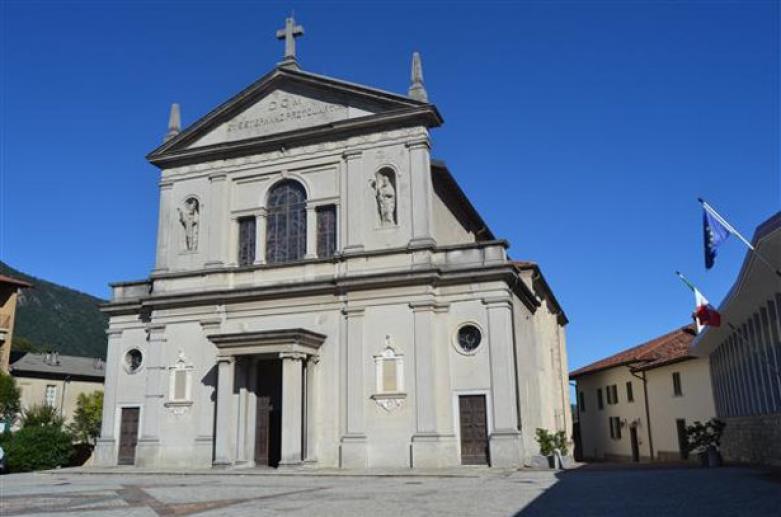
column 9, row 398
column 87, row 418
column 549, row 442
column 42, row 416
column 37, row 448
column 700, row 437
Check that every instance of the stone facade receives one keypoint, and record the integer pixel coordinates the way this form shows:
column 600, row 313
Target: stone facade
column 753, row 440
column 365, row 341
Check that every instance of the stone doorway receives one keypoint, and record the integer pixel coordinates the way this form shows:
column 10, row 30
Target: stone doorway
column 128, row 436
column 474, row 432
column 268, row 413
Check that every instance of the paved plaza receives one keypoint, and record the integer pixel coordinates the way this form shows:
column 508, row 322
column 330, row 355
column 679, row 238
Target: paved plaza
column 585, row 491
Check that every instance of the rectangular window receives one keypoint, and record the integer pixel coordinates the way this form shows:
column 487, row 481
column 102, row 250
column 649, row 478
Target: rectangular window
column 614, row 389
column 326, row 231
column 617, row 424
column 600, row 404
column 581, row 401
column 246, row 241
column 677, row 384
column 630, row 396
column 610, row 425
column 51, row 395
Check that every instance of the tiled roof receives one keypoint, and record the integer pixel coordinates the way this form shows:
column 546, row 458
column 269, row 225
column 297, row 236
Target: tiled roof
column 666, row 349
column 14, row 281
column 57, row 365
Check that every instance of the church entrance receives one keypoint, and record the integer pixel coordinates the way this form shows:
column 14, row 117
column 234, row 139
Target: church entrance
column 128, row 436
column 474, row 432
column 268, row 416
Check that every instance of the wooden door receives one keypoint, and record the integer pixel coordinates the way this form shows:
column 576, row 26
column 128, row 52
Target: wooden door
column 128, row 436
column 263, row 430
column 268, row 422
column 474, row 432
column 683, row 441
column 635, row 444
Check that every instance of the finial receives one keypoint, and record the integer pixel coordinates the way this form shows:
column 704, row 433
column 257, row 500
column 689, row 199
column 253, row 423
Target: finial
column 174, row 122
column 416, row 90
column 289, row 34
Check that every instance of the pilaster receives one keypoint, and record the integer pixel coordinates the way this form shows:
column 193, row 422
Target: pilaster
column 164, row 227
column 353, row 443
column 216, row 221
column 260, row 237
column 312, row 389
column 105, row 448
column 422, row 191
column 353, row 209
column 223, row 441
column 148, row 448
column 311, row 231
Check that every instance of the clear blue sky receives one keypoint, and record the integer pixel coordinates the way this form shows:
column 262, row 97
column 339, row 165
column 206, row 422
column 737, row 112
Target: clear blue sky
column 582, row 131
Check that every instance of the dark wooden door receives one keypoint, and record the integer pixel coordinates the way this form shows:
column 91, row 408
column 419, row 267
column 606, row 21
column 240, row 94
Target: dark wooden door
column 474, row 432
column 268, row 422
column 683, row 441
column 635, row 444
column 128, row 436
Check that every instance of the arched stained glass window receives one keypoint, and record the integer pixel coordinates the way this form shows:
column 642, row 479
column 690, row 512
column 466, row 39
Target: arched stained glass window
column 286, row 230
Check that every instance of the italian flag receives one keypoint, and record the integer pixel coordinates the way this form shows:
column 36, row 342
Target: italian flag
column 704, row 313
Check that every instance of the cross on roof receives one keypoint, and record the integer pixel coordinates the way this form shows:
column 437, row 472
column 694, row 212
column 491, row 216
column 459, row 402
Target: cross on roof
column 289, row 34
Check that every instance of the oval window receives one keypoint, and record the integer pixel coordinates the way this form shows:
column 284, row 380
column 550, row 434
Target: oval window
column 133, row 359
column 469, row 338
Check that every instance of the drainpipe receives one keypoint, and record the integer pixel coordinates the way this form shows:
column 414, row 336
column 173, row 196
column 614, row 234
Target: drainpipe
column 62, row 397
column 647, row 410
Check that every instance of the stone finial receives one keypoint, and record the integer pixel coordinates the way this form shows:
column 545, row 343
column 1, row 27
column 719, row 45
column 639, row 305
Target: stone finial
column 174, row 123
column 416, row 90
column 289, row 33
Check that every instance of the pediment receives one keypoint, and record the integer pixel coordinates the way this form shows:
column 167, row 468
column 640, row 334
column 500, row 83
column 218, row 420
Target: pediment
column 287, row 106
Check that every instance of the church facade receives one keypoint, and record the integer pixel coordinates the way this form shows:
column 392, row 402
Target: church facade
column 326, row 295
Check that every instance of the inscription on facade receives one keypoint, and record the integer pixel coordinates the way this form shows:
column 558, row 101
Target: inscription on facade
column 278, row 113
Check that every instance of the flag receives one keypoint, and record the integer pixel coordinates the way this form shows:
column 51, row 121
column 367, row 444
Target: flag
column 714, row 232
column 704, row 313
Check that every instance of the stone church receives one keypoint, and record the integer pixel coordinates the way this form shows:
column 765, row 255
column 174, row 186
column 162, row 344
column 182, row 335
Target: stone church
column 326, row 295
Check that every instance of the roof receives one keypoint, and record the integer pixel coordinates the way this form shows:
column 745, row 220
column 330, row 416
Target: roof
column 55, row 365
column 763, row 232
column 539, row 282
column 669, row 348
column 441, row 175
column 4, row 279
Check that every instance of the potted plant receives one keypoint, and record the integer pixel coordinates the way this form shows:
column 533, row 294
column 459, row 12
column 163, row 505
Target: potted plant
column 551, row 445
column 705, row 440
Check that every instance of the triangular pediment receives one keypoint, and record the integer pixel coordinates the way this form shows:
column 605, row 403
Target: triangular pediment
column 289, row 105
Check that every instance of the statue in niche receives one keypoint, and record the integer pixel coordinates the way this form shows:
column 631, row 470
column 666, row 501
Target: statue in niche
column 384, row 186
column 189, row 220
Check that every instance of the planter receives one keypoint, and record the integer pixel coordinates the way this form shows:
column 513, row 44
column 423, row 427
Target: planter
column 714, row 457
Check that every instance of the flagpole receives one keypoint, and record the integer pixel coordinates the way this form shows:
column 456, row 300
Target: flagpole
column 737, row 234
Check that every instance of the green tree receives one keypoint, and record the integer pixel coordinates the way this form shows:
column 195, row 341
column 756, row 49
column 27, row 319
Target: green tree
column 37, row 448
column 9, row 398
column 22, row 344
column 42, row 415
column 87, row 418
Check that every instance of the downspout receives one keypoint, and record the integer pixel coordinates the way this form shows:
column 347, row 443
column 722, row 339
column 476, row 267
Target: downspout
column 62, row 398
column 647, row 410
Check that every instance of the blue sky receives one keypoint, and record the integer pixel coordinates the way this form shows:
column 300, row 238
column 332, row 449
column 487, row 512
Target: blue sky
column 582, row 131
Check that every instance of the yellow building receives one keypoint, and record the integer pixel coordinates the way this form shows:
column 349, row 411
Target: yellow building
column 9, row 292
column 635, row 405
column 56, row 380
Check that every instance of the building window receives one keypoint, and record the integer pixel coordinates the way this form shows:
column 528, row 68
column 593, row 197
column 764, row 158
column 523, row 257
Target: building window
column 247, row 237
column 630, row 396
column 615, row 427
column 612, row 394
column 51, row 395
column 614, row 389
column 581, row 401
column 286, row 223
column 600, row 403
column 677, row 385
column 683, row 440
column 326, row 231
column 133, row 360
column 469, row 338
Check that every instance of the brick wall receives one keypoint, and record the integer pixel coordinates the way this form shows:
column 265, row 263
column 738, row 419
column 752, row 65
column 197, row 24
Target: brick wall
column 752, row 439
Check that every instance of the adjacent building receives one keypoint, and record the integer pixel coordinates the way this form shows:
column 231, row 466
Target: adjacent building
column 325, row 294
column 9, row 293
column 745, row 354
column 56, row 380
column 635, row 405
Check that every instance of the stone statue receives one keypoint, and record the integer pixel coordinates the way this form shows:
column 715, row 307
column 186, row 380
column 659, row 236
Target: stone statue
column 189, row 219
column 385, row 193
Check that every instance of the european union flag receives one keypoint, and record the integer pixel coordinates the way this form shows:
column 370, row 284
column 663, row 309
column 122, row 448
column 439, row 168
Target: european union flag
column 715, row 233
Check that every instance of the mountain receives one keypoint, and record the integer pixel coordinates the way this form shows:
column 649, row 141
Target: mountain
column 53, row 317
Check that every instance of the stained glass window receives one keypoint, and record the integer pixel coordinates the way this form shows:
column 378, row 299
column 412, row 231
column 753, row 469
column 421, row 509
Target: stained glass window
column 286, row 226
column 246, row 241
column 326, row 231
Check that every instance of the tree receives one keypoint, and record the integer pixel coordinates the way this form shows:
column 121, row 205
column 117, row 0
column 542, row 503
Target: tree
column 41, row 416
column 22, row 344
column 9, row 398
column 38, row 447
column 87, row 418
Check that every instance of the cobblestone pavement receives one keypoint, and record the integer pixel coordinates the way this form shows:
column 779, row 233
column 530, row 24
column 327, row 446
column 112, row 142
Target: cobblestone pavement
column 636, row 492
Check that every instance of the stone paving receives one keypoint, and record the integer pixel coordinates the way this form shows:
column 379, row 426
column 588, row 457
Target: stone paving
column 584, row 491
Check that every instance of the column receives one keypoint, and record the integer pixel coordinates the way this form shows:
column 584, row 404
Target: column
column 353, row 442
column 422, row 191
column 241, row 410
column 504, row 442
column 311, row 231
column 148, row 447
column 292, row 408
column 164, row 226
column 310, row 409
column 252, row 407
column 216, row 220
column 204, row 387
column 352, row 210
column 260, row 237
column 105, row 448
column 225, row 416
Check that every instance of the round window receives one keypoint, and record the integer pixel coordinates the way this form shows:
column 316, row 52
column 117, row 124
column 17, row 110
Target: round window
column 469, row 338
column 133, row 359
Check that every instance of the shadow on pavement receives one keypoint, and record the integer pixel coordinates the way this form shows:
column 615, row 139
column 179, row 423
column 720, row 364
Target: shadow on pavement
column 658, row 491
